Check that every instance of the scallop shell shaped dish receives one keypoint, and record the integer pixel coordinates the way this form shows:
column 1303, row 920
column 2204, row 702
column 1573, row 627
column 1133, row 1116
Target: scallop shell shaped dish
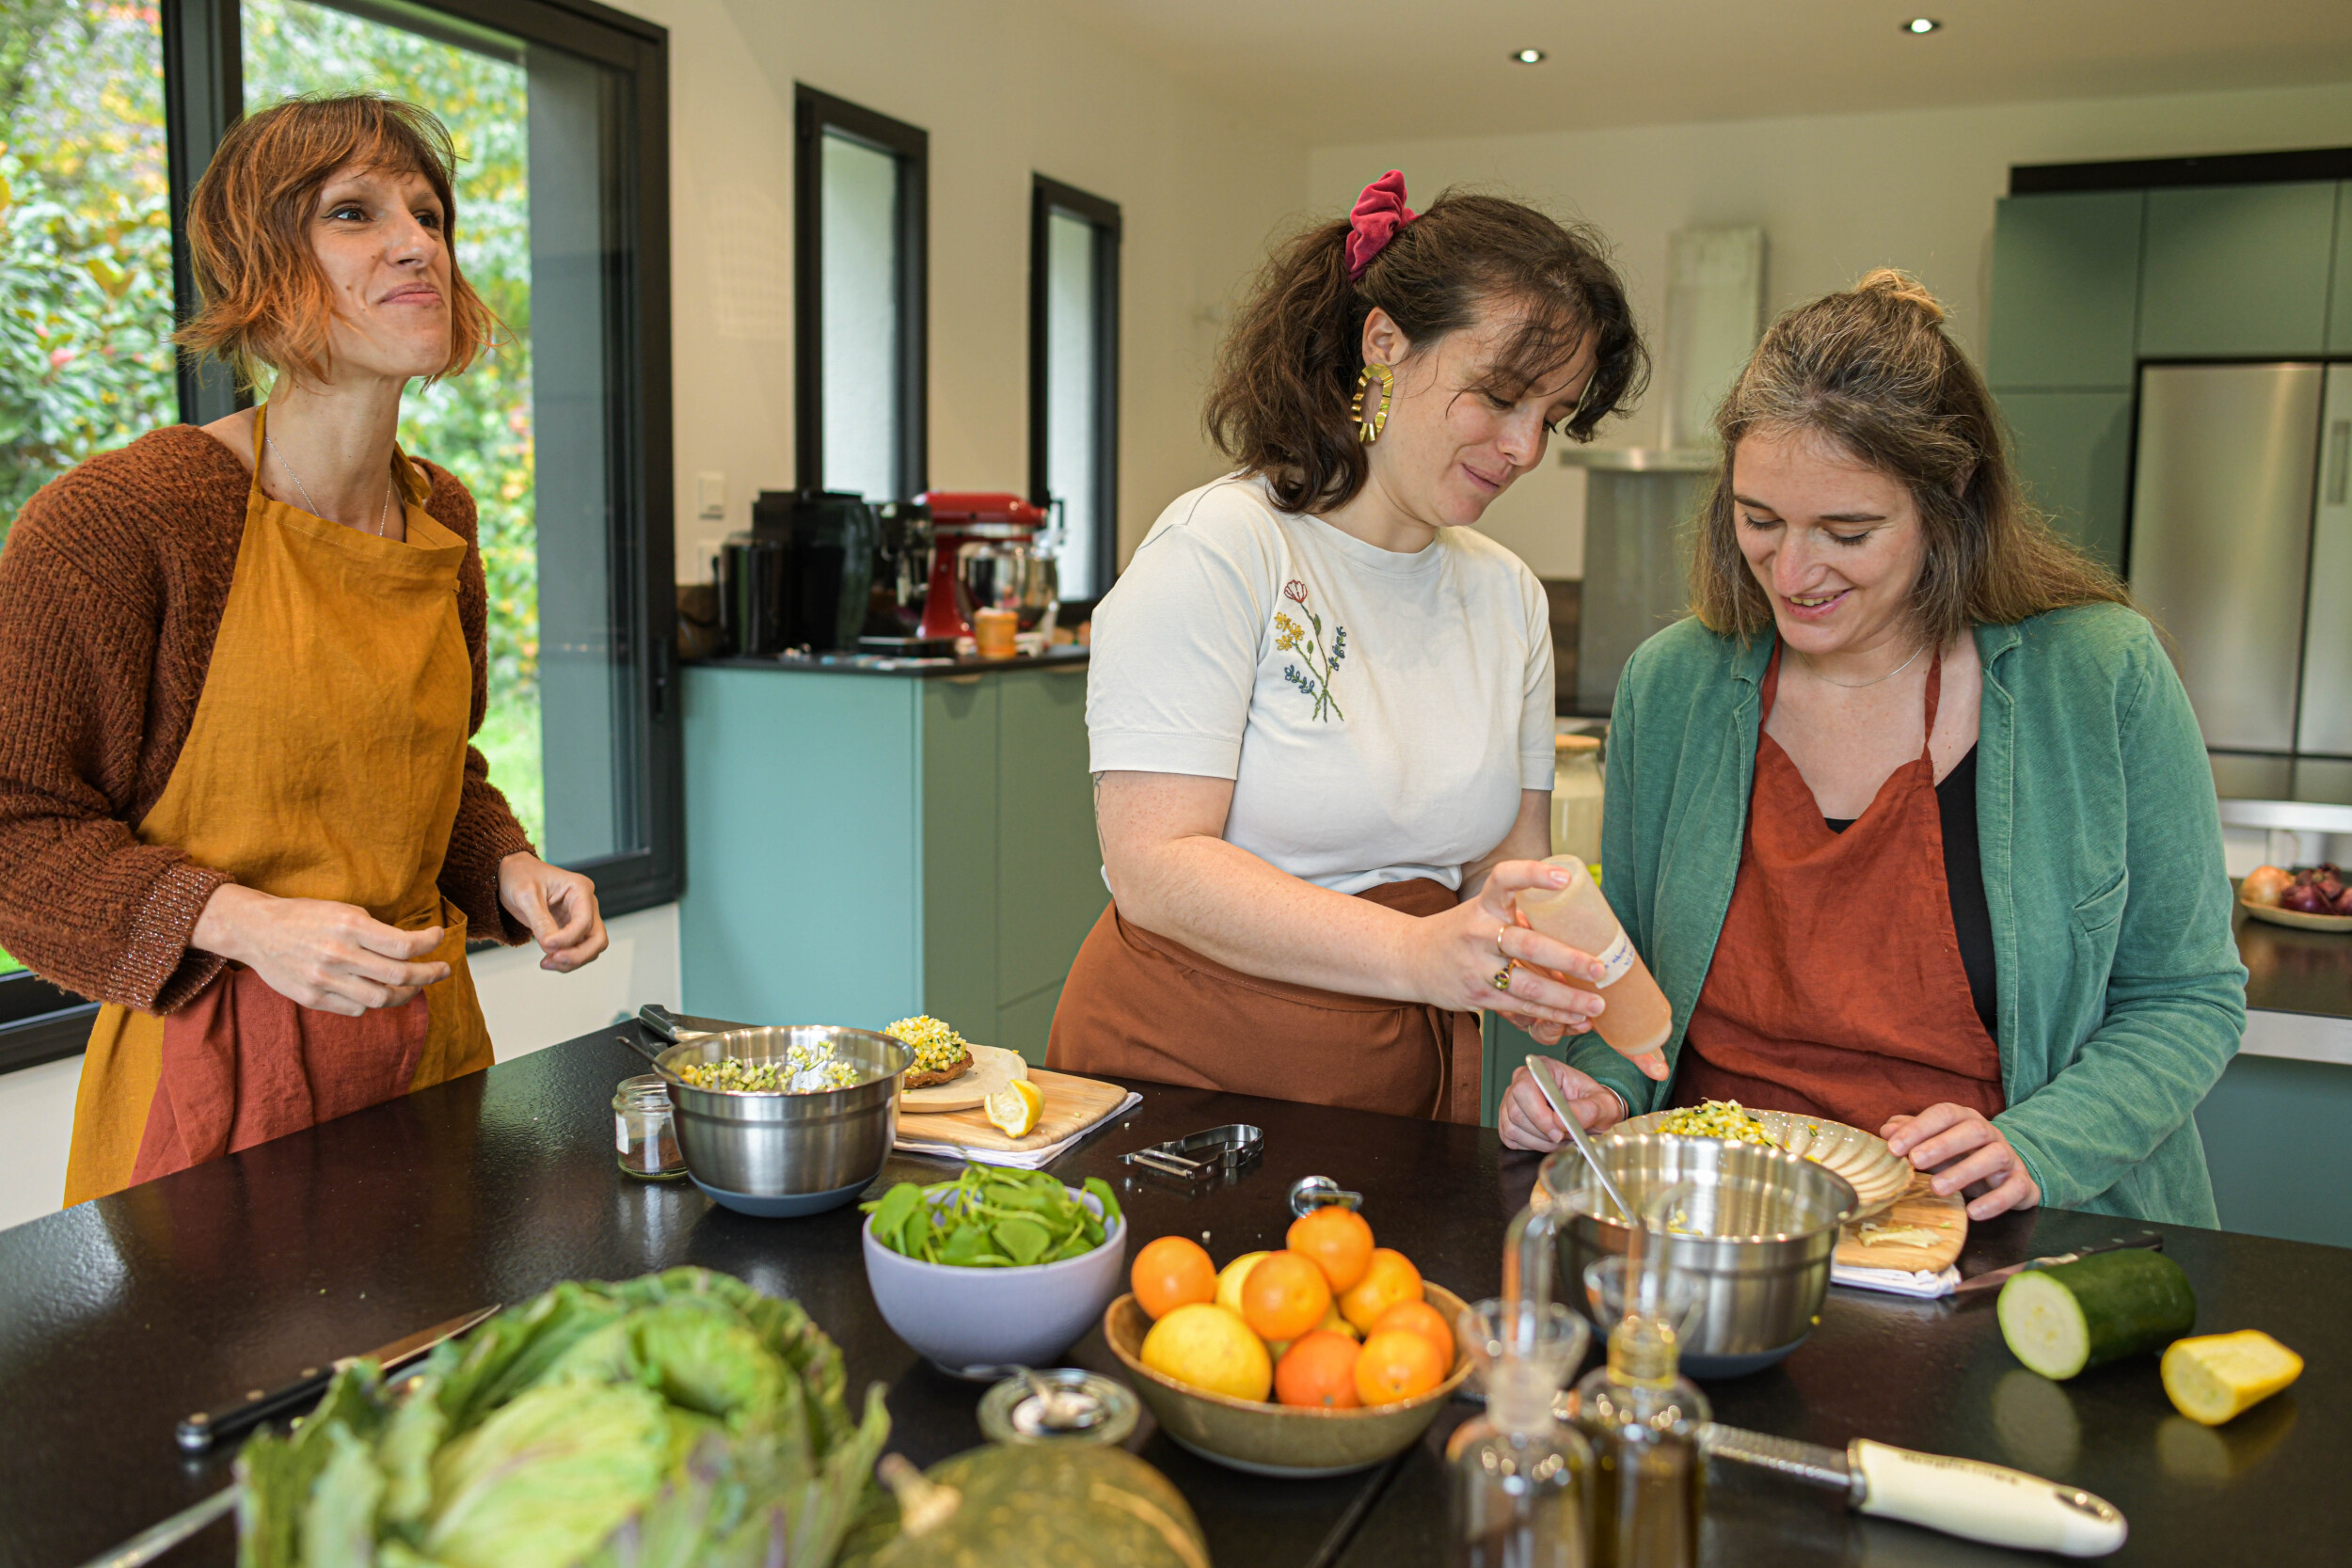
column 1877, row 1175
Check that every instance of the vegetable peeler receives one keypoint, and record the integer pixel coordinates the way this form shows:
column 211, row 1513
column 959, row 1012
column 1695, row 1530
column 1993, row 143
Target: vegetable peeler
column 1221, row 1153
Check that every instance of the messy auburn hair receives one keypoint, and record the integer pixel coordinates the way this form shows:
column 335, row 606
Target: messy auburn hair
column 266, row 299
column 1873, row 373
column 1286, row 379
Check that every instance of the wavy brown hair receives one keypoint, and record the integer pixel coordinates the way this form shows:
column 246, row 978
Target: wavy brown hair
column 1872, row 371
column 1286, row 379
column 266, row 299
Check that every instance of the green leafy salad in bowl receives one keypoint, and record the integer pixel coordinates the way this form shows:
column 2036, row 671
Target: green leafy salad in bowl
column 678, row 1418
column 992, row 1218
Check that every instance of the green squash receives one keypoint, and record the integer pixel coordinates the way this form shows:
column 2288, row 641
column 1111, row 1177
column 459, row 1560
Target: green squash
column 1048, row 1505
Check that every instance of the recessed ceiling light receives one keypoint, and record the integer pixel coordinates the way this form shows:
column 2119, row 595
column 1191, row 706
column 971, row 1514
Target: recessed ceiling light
column 1922, row 24
column 1528, row 56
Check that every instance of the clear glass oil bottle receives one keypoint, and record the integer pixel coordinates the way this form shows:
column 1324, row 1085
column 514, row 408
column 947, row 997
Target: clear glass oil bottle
column 1642, row 1418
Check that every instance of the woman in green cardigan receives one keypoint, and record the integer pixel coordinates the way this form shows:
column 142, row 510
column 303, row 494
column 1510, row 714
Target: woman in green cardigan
column 1912, row 820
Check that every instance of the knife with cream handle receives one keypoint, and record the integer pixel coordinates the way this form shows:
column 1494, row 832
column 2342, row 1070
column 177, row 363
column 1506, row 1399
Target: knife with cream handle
column 1959, row 1496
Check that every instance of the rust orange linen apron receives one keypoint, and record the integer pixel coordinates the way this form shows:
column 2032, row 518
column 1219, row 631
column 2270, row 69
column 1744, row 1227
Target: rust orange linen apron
column 1138, row 1006
column 1837, row 989
column 325, row 761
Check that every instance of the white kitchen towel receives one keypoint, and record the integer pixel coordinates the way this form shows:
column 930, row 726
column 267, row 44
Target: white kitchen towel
column 1032, row 1159
column 1901, row 1282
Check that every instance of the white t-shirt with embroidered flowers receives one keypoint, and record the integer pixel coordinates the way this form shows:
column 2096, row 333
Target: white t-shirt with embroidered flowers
column 1379, row 713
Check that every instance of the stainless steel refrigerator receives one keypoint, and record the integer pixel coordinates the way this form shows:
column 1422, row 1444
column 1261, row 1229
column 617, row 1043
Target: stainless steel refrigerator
column 2241, row 549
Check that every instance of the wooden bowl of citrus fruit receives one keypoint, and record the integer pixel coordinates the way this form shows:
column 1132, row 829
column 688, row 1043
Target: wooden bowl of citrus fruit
column 1327, row 1357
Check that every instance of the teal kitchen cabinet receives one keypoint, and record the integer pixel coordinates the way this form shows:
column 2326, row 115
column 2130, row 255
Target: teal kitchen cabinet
column 2237, row 272
column 2065, row 287
column 2340, row 291
column 860, row 846
column 2073, row 450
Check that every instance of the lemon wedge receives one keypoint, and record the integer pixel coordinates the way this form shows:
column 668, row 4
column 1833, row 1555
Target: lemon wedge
column 1014, row 1109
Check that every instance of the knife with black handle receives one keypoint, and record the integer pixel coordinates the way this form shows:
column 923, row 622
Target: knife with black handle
column 1974, row 1288
column 201, row 1432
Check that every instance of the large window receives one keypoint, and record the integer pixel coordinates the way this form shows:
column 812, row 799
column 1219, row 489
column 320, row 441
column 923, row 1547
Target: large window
column 860, row 260
column 1074, row 378
column 558, row 110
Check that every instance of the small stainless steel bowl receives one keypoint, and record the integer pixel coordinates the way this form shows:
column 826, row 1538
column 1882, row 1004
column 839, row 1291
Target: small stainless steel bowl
column 778, row 1155
column 1768, row 1222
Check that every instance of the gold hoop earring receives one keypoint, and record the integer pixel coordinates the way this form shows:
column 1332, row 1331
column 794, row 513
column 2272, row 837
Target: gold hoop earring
column 1371, row 419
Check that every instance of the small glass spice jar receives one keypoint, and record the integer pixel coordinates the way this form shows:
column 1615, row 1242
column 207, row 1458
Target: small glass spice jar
column 1062, row 1404
column 642, row 1129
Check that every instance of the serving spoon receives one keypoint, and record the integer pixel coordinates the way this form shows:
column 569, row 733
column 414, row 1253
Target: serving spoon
column 1539, row 1069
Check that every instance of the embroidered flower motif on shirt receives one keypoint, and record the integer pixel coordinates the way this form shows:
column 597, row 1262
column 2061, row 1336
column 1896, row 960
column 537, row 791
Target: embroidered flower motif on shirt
column 1289, row 637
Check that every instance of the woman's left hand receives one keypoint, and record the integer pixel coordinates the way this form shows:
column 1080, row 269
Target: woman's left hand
column 1964, row 1148
column 559, row 907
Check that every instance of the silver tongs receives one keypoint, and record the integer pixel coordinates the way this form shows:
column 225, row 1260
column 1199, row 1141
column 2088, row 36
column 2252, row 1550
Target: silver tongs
column 1221, row 1153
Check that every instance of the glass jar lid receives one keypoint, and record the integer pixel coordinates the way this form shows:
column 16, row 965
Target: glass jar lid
column 1061, row 1405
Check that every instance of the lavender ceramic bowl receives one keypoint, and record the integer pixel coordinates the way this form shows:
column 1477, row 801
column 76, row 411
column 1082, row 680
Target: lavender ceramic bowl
column 970, row 1321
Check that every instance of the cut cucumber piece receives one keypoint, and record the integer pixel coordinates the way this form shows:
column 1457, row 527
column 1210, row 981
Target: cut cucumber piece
column 2060, row 1320
column 2217, row 1376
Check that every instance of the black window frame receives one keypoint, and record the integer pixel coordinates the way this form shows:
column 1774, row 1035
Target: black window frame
column 204, row 94
column 816, row 113
column 1046, row 197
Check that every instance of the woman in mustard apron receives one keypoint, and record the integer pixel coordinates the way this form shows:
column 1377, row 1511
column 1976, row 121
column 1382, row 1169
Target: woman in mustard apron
column 238, row 671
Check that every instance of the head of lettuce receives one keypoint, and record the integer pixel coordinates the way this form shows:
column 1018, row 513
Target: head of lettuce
column 679, row 1418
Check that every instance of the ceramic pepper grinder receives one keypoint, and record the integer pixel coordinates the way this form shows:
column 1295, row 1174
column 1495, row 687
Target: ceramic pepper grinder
column 1639, row 1414
column 1521, row 1483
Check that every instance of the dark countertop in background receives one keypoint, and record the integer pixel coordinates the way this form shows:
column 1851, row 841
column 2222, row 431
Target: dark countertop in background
column 2293, row 970
column 1071, row 655
column 119, row 1316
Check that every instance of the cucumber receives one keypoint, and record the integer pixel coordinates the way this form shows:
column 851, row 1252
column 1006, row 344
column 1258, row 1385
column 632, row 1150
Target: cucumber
column 2058, row 1320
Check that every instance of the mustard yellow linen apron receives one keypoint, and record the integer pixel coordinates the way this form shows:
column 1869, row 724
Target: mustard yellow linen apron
column 325, row 760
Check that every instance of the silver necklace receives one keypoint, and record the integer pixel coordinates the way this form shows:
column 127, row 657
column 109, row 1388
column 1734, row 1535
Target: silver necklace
column 1856, row 686
column 383, row 518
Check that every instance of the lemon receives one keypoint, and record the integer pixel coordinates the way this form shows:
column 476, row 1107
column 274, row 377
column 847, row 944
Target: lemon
column 1014, row 1109
column 1229, row 1279
column 1206, row 1346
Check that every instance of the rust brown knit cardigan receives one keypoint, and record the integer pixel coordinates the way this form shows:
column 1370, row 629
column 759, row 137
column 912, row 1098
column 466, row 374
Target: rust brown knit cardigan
column 111, row 591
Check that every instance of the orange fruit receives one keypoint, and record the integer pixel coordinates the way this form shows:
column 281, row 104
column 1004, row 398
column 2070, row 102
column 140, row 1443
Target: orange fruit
column 1203, row 1345
column 1332, row 1324
column 1388, row 1278
column 1284, row 1296
column 1171, row 1272
column 1319, row 1370
column 1419, row 1317
column 1338, row 1240
column 1395, row 1365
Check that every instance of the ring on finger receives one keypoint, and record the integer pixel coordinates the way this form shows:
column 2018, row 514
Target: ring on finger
column 1499, row 935
column 1501, row 978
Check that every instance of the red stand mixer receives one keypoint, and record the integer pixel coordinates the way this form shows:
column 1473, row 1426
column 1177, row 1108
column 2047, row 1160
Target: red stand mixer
column 961, row 519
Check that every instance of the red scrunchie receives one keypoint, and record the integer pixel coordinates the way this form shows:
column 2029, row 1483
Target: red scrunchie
column 1380, row 213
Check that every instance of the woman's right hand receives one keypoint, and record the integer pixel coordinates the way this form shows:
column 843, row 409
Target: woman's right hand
column 1527, row 1120
column 332, row 958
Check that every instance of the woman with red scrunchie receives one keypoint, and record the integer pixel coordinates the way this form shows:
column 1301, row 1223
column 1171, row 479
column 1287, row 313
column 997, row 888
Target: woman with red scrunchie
column 1320, row 707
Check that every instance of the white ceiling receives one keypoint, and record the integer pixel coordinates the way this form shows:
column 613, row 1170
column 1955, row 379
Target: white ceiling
column 1337, row 72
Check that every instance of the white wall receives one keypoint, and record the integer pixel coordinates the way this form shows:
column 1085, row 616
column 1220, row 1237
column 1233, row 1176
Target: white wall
column 526, row 1008
column 1837, row 193
column 1005, row 88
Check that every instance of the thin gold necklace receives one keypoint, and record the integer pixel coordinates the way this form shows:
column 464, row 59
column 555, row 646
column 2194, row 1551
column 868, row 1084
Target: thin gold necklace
column 383, row 519
column 1856, row 686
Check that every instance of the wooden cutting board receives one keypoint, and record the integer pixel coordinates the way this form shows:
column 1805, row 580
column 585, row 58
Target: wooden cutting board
column 1072, row 1105
column 1947, row 1217
column 992, row 1068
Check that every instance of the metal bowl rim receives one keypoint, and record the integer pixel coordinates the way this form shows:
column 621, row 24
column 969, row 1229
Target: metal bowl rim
column 764, row 1095
column 1852, row 1206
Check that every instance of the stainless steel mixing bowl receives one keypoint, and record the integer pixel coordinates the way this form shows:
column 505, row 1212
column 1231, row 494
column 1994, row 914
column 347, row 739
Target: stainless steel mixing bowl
column 1764, row 1224
column 778, row 1155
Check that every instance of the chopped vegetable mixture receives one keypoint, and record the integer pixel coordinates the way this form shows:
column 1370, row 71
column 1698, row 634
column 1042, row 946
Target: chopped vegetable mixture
column 936, row 1046
column 803, row 1069
column 1720, row 1118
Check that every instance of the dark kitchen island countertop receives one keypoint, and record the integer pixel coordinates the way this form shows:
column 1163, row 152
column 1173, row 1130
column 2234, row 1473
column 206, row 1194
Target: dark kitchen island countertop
column 116, row 1317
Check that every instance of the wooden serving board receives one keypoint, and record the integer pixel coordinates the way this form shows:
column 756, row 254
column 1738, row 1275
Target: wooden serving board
column 992, row 1068
column 1072, row 1105
column 1948, row 1217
